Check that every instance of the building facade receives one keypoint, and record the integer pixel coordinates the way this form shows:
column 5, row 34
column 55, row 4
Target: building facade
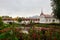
column 43, row 18
column 46, row 18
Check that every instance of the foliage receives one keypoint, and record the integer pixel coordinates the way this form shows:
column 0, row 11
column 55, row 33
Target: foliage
column 19, row 19
column 32, row 35
column 56, row 8
column 5, row 26
column 1, row 22
column 8, row 35
column 0, row 19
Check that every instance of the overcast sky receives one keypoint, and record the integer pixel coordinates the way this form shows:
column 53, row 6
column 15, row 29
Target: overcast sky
column 24, row 8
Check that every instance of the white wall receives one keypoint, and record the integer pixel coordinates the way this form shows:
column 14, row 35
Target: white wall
column 42, row 19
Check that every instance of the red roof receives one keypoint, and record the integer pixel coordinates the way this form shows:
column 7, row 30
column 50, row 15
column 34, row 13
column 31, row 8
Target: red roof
column 28, row 19
column 47, row 15
column 7, row 19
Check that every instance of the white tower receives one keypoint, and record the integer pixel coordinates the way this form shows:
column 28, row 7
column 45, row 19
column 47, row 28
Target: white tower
column 42, row 17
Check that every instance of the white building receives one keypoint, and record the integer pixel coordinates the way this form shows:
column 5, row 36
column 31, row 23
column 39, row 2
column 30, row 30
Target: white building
column 27, row 20
column 45, row 18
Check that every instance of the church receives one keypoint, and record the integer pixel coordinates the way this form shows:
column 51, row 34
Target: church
column 46, row 18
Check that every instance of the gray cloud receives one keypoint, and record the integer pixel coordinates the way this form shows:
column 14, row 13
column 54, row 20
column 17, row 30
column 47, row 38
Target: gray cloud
column 24, row 7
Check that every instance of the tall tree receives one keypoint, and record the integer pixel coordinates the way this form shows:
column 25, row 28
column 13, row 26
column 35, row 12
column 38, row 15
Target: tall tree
column 56, row 8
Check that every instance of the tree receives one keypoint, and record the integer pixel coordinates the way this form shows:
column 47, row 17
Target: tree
column 19, row 19
column 1, row 22
column 56, row 8
column 31, row 23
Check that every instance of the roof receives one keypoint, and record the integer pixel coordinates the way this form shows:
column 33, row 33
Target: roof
column 28, row 19
column 46, row 15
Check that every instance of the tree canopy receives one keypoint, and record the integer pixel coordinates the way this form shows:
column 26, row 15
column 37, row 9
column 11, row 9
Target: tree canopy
column 1, row 22
column 56, row 8
column 19, row 19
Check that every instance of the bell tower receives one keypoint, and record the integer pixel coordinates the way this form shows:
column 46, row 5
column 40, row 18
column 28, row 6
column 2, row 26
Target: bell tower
column 41, row 12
